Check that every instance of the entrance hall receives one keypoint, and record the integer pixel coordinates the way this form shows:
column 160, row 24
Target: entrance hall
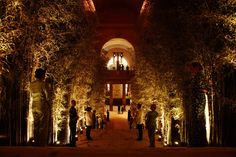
column 59, row 59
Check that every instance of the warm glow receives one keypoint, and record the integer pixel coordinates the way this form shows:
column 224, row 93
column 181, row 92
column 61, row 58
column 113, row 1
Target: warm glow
column 112, row 63
column 57, row 111
column 16, row 3
column 207, row 120
column 126, row 88
column 108, row 87
column 58, row 142
column 164, row 125
column 144, row 6
column 89, row 5
column 30, row 122
column 118, row 42
column 168, row 136
column 176, row 143
column 117, row 90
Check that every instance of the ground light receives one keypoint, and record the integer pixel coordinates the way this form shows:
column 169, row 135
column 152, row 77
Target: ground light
column 58, row 142
column 30, row 121
column 176, row 143
column 207, row 120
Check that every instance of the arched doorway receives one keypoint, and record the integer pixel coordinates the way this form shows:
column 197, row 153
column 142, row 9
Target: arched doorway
column 120, row 57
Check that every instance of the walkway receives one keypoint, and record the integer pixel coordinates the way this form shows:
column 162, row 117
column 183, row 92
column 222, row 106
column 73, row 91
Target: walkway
column 113, row 141
column 115, row 137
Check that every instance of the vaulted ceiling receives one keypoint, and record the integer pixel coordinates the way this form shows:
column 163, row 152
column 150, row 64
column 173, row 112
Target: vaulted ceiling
column 117, row 26
column 117, row 11
column 116, row 19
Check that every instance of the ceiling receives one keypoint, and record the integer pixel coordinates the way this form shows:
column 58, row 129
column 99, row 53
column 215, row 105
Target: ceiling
column 117, row 11
column 117, row 20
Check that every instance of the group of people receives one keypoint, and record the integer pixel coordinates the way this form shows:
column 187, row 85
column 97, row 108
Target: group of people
column 149, row 122
column 41, row 106
column 89, row 121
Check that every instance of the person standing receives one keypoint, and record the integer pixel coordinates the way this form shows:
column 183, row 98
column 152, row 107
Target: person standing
column 122, row 109
column 150, row 123
column 129, row 115
column 40, row 108
column 108, row 115
column 139, row 121
column 73, row 122
column 89, row 122
column 94, row 120
column 118, row 108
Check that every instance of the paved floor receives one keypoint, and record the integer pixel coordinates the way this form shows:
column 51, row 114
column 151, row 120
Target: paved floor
column 116, row 140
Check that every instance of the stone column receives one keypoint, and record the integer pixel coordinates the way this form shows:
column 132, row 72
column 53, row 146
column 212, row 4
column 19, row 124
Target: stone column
column 111, row 97
column 123, row 97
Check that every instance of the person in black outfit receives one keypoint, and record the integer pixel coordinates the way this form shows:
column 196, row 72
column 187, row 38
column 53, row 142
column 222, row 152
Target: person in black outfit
column 122, row 109
column 94, row 120
column 73, row 122
column 118, row 109
column 129, row 115
column 108, row 115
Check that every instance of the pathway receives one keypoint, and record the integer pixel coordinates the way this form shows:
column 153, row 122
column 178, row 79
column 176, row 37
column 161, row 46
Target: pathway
column 114, row 141
column 115, row 137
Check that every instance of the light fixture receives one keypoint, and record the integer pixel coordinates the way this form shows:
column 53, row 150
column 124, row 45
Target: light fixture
column 176, row 143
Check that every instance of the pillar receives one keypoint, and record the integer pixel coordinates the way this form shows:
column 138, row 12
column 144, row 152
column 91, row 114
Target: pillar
column 111, row 97
column 123, row 97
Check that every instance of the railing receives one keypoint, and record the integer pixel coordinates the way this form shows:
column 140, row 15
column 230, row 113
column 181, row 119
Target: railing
column 118, row 75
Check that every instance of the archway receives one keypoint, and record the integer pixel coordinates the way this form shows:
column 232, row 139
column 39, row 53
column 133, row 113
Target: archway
column 120, row 57
column 119, row 45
